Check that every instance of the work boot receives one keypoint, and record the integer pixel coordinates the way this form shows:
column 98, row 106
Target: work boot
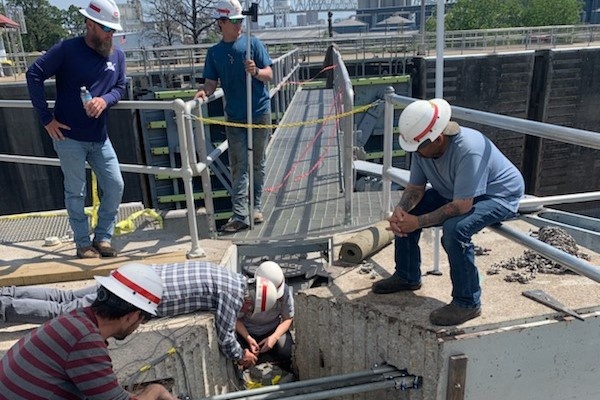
column 233, row 226
column 259, row 218
column 393, row 284
column 451, row 314
column 87, row 252
column 104, row 248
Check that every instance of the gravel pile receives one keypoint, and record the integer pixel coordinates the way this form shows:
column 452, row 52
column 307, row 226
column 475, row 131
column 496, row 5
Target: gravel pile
column 528, row 265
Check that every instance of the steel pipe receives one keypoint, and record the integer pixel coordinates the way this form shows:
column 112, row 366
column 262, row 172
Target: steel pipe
column 307, row 383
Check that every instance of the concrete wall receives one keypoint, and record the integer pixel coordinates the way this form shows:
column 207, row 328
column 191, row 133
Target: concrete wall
column 197, row 368
column 337, row 336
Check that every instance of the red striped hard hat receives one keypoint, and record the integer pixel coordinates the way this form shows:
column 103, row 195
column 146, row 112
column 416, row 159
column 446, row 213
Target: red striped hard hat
column 422, row 120
column 137, row 284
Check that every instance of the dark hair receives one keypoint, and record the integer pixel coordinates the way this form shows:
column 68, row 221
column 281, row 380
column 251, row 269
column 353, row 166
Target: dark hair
column 110, row 306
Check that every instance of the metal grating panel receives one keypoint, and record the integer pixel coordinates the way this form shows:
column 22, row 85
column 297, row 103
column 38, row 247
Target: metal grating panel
column 38, row 226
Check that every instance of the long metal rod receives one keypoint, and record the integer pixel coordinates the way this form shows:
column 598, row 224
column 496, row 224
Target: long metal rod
column 249, row 122
column 532, row 202
column 307, row 383
column 573, row 263
column 544, row 130
column 331, row 393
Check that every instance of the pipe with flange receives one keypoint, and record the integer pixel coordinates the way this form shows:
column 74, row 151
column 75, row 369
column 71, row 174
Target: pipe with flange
column 366, row 242
column 377, row 378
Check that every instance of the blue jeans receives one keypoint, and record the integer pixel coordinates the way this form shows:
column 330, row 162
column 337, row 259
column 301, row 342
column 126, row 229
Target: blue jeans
column 103, row 160
column 238, row 162
column 456, row 240
column 32, row 304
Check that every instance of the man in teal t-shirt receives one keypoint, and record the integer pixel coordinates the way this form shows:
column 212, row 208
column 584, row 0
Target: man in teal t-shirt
column 226, row 63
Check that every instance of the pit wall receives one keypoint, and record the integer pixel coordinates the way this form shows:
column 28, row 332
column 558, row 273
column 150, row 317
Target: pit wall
column 182, row 353
column 335, row 336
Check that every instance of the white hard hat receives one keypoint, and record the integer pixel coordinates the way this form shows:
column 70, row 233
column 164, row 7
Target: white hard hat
column 422, row 120
column 104, row 12
column 272, row 271
column 135, row 283
column 265, row 296
column 228, row 9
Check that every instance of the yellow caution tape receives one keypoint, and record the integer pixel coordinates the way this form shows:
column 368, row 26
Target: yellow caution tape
column 127, row 225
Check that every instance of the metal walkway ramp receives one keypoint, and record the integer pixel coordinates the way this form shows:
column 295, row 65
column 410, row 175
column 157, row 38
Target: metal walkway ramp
column 303, row 197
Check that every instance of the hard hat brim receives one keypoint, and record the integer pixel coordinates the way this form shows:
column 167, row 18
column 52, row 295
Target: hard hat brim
column 238, row 16
column 445, row 112
column 114, row 26
column 123, row 294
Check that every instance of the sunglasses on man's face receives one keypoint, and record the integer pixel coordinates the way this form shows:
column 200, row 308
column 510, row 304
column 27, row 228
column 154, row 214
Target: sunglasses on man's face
column 106, row 28
column 236, row 21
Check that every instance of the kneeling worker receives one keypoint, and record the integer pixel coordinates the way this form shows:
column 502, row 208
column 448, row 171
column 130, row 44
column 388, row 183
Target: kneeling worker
column 267, row 334
column 67, row 357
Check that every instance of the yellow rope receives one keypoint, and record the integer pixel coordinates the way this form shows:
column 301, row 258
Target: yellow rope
column 356, row 110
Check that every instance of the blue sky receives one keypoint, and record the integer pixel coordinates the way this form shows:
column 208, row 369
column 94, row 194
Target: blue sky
column 64, row 4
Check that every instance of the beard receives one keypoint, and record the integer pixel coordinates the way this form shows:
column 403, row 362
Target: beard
column 102, row 47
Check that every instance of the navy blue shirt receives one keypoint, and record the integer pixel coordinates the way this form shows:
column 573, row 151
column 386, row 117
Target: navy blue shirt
column 75, row 64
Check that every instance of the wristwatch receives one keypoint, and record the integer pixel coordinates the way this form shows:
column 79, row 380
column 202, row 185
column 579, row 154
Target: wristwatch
column 256, row 72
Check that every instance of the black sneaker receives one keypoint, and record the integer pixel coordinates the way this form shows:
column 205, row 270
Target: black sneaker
column 233, row 226
column 393, row 284
column 451, row 314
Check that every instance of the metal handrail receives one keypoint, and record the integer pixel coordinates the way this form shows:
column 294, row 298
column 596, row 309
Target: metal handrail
column 189, row 134
column 543, row 130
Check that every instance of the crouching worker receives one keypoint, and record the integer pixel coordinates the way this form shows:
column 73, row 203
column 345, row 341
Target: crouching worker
column 67, row 357
column 267, row 334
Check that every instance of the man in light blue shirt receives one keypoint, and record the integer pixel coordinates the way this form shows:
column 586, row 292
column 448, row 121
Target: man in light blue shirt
column 473, row 185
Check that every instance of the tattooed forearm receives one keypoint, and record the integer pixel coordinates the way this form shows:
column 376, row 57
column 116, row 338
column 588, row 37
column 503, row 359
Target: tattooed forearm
column 440, row 215
column 410, row 198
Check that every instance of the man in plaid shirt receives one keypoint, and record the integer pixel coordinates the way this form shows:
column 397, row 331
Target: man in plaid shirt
column 189, row 286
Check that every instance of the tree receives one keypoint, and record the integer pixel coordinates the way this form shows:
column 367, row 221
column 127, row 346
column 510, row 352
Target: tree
column 191, row 17
column 490, row 14
column 44, row 24
column 552, row 12
column 74, row 21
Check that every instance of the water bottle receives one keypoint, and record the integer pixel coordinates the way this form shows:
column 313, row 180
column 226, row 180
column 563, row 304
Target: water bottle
column 85, row 95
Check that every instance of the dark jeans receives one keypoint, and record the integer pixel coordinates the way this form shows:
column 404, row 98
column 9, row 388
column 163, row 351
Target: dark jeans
column 456, row 240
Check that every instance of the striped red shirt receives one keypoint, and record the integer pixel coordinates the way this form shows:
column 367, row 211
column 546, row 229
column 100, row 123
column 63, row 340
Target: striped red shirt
column 66, row 358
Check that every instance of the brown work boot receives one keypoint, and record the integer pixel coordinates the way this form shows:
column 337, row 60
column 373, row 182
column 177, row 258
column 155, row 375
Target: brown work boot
column 451, row 314
column 87, row 252
column 104, row 248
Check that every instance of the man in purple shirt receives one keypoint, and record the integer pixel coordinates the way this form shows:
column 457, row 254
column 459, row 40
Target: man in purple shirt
column 79, row 131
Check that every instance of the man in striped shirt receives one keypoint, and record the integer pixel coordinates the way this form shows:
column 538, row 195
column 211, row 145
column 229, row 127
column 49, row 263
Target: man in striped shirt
column 189, row 286
column 67, row 357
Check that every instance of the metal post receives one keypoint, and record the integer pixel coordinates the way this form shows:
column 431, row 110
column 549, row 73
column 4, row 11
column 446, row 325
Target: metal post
column 388, row 137
column 205, row 172
column 187, row 175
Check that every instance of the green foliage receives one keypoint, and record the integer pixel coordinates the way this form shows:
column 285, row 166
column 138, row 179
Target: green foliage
column 490, row 14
